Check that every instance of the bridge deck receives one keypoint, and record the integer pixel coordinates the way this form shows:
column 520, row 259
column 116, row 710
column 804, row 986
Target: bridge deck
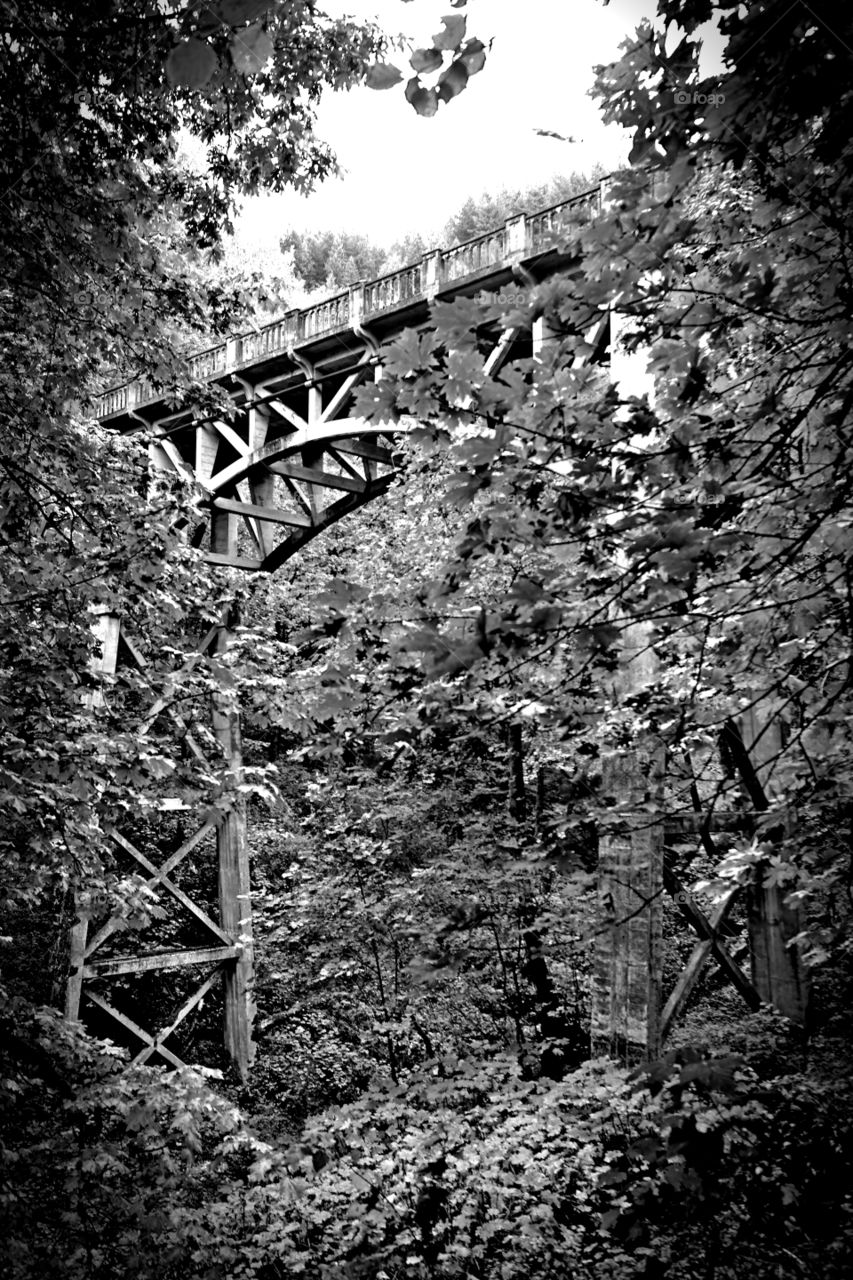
column 387, row 304
column 285, row 458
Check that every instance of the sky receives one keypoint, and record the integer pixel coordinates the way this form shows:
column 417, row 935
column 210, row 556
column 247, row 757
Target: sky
column 406, row 173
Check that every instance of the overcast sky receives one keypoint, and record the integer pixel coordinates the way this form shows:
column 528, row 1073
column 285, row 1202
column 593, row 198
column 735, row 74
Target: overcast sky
column 405, row 173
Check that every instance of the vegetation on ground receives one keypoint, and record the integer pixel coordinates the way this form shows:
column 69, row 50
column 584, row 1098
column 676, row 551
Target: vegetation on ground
column 432, row 725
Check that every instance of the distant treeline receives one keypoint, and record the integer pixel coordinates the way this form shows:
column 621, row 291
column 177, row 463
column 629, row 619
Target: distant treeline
column 334, row 259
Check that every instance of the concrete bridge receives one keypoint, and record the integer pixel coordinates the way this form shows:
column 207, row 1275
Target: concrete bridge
column 289, row 459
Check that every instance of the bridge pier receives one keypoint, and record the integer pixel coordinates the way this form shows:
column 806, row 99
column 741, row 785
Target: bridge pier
column 626, row 1002
column 106, row 627
column 626, row 980
column 235, row 902
column 778, row 972
column 628, row 1022
column 227, row 949
column 232, row 956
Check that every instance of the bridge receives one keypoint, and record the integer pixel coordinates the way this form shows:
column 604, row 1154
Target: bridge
column 287, row 458
column 282, row 460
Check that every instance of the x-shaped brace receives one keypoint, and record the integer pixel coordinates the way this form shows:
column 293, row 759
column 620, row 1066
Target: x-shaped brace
column 710, row 944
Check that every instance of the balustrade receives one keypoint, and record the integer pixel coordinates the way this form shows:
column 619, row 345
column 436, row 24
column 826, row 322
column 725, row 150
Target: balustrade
column 112, row 401
column 418, row 281
column 543, row 225
column 207, row 364
column 270, row 340
column 473, row 256
column 393, row 290
column 325, row 317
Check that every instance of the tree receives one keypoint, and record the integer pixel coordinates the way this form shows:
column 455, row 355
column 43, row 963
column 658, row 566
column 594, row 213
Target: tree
column 715, row 515
column 111, row 232
column 410, row 249
column 332, row 259
column 104, row 224
column 477, row 216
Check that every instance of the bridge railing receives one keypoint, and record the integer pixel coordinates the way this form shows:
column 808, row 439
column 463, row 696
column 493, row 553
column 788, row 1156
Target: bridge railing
column 539, row 227
column 269, row 340
column 394, row 290
column 207, row 364
column 409, row 284
column 325, row 317
column 126, row 397
column 488, row 250
column 114, row 401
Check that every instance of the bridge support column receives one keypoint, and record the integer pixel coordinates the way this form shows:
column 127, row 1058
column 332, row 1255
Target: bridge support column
column 626, row 977
column 235, row 907
column 235, row 904
column 78, row 936
column 232, row 953
column 545, row 339
column 778, row 973
column 206, row 446
column 106, row 627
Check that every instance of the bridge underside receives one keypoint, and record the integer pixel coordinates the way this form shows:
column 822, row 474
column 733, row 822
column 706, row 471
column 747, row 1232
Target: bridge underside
column 288, row 456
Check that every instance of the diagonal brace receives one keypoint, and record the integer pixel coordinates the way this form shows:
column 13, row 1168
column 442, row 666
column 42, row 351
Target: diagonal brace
column 133, row 1027
column 195, row 998
column 700, row 923
column 696, row 963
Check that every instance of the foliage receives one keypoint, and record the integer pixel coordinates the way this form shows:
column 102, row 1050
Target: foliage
column 477, row 216
column 734, row 1174
column 389, row 929
column 105, row 1170
column 333, row 259
column 102, row 225
column 463, row 1168
column 449, row 62
column 433, row 1178
column 714, row 513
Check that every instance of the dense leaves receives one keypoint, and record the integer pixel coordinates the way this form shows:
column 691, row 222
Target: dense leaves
column 115, row 1165
column 102, row 223
column 716, row 512
column 420, row 964
column 449, row 53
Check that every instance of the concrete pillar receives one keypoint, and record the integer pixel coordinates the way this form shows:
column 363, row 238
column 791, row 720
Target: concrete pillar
column 778, row 972
column 235, row 906
column 626, row 995
column 106, row 627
